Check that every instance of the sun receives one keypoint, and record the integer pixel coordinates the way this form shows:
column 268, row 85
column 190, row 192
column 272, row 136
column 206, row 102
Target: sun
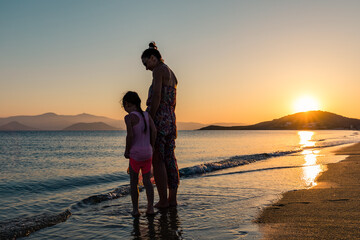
column 305, row 104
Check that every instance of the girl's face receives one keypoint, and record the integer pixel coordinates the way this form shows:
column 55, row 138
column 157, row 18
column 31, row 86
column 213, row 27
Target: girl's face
column 127, row 107
column 149, row 63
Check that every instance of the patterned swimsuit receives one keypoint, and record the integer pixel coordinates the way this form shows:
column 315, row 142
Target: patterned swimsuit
column 165, row 122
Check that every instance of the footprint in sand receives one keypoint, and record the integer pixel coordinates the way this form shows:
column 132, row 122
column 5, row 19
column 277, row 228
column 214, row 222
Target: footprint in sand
column 282, row 205
column 338, row 200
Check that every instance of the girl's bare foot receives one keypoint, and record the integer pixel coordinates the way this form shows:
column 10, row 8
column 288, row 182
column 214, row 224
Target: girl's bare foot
column 162, row 205
column 135, row 213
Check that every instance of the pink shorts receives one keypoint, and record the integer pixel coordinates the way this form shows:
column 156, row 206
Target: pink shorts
column 145, row 166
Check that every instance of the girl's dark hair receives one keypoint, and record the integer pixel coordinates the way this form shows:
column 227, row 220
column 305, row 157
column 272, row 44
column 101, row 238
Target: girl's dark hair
column 133, row 98
column 152, row 51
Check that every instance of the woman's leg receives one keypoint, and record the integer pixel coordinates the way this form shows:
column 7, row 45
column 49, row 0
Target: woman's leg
column 172, row 169
column 134, row 191
column 149, row 192
column 172, row 197
column 160, row 179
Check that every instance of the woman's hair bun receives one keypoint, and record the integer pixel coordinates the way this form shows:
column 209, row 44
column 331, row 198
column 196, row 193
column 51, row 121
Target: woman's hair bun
column 152, row 45
column 152, row 51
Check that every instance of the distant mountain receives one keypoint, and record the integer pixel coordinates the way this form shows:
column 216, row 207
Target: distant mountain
column 312, row 120
column 15, row 126
column 189, row 125
column 195, row 125
column 228, row 124
column 96, row 126
column 52, row 121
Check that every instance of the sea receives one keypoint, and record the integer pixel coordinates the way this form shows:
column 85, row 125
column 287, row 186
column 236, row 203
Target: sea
column 75, row 185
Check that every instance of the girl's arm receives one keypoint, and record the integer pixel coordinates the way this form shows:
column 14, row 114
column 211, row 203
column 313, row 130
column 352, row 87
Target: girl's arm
column 152, row 132
column 157, row 84
column 129, row 136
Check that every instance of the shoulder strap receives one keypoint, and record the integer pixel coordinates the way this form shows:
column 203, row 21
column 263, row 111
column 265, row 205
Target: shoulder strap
column 170, row 78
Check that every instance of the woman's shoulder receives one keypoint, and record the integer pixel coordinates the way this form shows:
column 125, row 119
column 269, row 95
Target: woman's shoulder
column 162, row 69
column 164, row 74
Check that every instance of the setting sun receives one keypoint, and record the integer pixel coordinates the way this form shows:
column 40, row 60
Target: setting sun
column 305, row 104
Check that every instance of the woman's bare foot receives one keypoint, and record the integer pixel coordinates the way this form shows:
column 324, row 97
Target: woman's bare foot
column 173, row 203
column 162, row 205
column 150, row 211
column 135, row 213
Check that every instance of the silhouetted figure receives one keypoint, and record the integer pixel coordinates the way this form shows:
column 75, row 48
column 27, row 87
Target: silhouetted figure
column 161, row 104
column 140, row 139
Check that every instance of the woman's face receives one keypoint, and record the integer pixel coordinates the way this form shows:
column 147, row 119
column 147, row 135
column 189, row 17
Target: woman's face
column 149, row 63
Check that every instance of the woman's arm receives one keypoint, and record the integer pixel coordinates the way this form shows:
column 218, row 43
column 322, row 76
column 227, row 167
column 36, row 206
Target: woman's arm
column 129, row 136
column 158, row 75
column 152, row 132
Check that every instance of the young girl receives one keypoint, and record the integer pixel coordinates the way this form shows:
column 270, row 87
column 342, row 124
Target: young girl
column 140, row 140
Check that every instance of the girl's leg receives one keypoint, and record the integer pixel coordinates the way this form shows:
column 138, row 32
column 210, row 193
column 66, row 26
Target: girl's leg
column 134, row 191
column 149, row 192
column 160, row 176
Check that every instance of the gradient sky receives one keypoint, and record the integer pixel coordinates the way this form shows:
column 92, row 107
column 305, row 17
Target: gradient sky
column 236, row 61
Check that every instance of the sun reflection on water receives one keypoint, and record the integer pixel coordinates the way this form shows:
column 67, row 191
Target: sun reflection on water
column 305, row 138
column 311, row 169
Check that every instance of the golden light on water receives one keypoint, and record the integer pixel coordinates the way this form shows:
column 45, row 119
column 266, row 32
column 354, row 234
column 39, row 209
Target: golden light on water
column 310, row 168
column 306, row 138
column 305, row 104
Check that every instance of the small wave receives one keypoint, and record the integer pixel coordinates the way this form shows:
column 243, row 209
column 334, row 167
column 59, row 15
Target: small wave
column 246, row 159
column 21, row 227
column 117, row 193
column 334, row 143
column 231, row 162
column 258, row 170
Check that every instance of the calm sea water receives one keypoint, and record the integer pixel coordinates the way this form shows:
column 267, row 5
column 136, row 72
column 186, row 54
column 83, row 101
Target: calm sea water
column 45, row 173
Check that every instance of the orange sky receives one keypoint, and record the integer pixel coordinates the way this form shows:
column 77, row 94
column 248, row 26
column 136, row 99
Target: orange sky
column 242, row 62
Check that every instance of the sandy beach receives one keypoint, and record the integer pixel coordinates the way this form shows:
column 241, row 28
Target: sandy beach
column 330, row 210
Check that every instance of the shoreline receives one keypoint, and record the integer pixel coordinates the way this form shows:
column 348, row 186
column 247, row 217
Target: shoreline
column 329, row 210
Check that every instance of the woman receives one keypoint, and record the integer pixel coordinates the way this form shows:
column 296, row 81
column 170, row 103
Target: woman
column 161, row 107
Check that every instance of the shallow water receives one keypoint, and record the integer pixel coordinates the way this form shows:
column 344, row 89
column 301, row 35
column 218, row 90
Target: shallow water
column 48, row 172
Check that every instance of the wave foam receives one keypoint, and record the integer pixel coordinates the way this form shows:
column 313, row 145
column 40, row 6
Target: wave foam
column 229, row 163
column 21, row 227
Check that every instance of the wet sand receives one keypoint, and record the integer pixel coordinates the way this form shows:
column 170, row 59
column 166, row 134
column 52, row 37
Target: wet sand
column 330, row 210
